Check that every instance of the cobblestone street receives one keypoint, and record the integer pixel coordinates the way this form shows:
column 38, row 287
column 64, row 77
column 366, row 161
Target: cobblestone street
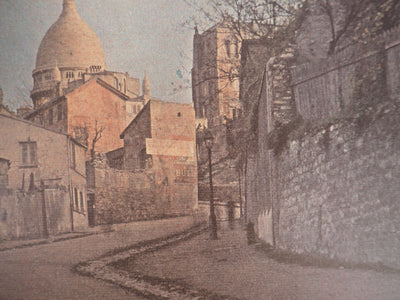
column 45, row 271
column 230, row 267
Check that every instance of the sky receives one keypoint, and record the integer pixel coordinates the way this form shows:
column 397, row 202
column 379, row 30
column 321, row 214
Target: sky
column 137, row 36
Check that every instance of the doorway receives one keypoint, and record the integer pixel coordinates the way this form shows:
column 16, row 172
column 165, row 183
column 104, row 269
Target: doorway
column 91, row 207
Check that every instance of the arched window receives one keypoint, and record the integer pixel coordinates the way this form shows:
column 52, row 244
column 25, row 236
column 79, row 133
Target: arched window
column 228, row 48
column 116, row 82
column 124, row 85
column 69, row 74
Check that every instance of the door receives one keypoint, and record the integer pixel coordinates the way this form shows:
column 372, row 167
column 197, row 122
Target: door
column 91, row 210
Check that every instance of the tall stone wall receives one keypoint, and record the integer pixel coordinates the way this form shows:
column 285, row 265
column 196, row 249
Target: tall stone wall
column 336, row 190
column 34, row 214
column 124, row 196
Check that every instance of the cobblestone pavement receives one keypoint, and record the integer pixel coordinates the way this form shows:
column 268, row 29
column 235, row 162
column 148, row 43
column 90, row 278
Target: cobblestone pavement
column 201, row 268
column 45, row 271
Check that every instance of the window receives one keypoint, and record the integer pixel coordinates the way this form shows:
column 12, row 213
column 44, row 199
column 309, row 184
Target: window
column 81, row 198
column 50, row 116
column 236, row 49
column 80, row 75
column 4, row 167
column 95, row 69
column 73, row 156
column 124, row 85
column 76, row 199
column 116, row 83
column 228, row 48
column 41, row 119
column 59, row 112
column 28, row 154
column 47, row 76
column 69, row 74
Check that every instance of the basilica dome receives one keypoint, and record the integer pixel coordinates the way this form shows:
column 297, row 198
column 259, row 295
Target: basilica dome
column 70, row 43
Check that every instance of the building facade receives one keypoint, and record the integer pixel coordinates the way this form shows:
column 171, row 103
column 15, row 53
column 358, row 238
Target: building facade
column 73, row 91
column 215, row 74
column 43, row 181
column 162, row 138
column 155, row 174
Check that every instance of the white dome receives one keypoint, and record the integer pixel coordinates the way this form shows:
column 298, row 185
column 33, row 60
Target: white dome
column 70, row 43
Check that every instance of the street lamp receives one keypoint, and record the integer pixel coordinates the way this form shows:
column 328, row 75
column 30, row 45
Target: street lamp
column 209, row 142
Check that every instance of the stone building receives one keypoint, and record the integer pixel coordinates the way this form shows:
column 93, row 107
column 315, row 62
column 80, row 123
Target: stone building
column 215, row 86
column 85, row 110
column 155, row 174
column 42, row 181
column 162, row 138
column 215, row 81
column 73, row 91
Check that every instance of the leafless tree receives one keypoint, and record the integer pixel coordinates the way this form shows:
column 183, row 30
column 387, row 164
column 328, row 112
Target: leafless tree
column 358, row 20
column 98, row 132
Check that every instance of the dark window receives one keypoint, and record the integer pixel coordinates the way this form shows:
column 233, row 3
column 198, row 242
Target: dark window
column 41, row 119
column 47, row 76
column 69, row 75
column 73, row 156
column 76, row 199
column 4, row 167
column 236, row 49
column 228, row 48
column 59, row 112
column 50, row 116
column 81, row 198
column 28, row 153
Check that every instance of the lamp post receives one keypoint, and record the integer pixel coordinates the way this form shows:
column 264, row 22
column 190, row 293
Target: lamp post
column 209, row 142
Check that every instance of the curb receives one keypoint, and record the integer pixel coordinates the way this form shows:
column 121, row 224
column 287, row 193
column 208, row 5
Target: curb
column 49, row 241
column 151, row 287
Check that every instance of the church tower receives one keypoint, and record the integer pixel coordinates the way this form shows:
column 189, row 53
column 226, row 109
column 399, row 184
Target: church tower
column 69, row 49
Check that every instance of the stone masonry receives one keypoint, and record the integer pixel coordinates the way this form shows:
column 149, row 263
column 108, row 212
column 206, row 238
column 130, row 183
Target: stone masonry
column 337, row 190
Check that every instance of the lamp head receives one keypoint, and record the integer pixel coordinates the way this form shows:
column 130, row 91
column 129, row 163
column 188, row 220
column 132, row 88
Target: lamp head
column 208, row 139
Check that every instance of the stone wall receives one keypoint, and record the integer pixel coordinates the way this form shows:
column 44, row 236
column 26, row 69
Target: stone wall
column 34, row 214
column 336, row 190
column 221, row 210
column 20, row 215
column 124, row 196
column 324, row 88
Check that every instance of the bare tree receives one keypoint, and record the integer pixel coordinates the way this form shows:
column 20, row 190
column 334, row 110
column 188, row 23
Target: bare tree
column 98, row 131
column 358, row 20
